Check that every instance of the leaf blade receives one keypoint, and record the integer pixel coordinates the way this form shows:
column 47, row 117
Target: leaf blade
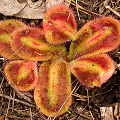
column 59, row 25
column 30, row 43
column 53, row 89
column 22, row 74
column 6, row 28
column 97, row 36
column 94, row 70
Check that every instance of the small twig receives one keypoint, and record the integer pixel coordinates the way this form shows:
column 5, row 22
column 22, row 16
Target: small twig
column 83, row 10
column 1, row 84
column 2, row 98
column 118, row 65
column 88, row 98
column 118, row 52
column 89, row 104
column 102, row 93
column 116, row 13
column 8, row 107
column 77, row 10
column 77, row 88
column 13, row 100
column 92, row 115
column 49, row 118
column 21, row 94
column 81, row 97
column 30, row 114
column 15, row 118
column 82, row 115
column 83, row 2
column 19, row 101
column 2, row 59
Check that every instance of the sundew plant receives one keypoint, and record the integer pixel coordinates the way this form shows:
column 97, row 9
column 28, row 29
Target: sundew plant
column 87, row 58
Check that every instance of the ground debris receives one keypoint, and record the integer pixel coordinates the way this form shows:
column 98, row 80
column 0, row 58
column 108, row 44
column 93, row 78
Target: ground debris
column 106, row 113
column 10, row 7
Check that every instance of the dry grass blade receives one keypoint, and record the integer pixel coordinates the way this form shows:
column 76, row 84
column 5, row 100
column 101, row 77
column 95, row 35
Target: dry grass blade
column 1, row 84
column 81, row 97
column 82, row 115
column 16, row 100
column 13, row 100
column 19, row 48
column 84, row 10
column 8, row 106
column 21, row 94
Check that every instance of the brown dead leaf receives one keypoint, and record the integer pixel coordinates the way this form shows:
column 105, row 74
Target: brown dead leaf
column 36, row 10
column 33, row 10
column 10, row 7
column 29, row 9
column 50, row 3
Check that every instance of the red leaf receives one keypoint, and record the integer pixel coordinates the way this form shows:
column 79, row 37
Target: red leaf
column 59, row 25
column 30, row 43
column 97, row 36
column 22, row 74
column 6, row 28
column 54, row 86
column 94, row 70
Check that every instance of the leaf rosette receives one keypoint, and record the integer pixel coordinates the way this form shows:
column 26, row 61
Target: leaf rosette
column 86, row 59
